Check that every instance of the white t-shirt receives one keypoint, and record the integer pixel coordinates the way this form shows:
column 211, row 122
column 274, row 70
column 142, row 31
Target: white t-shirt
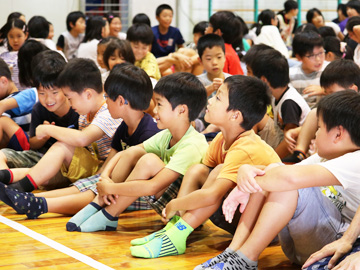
column 334, row 26
column 88, row 50
column 346, row 169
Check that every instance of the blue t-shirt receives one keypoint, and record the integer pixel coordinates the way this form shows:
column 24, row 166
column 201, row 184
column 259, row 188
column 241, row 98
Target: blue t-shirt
column 165, row 44
column 146, row 129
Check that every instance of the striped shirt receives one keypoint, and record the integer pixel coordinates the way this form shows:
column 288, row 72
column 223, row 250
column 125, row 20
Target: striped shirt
column 11, row 59
column 107, row 124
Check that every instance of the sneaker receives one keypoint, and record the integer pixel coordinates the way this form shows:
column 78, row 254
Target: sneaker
column 296, row 157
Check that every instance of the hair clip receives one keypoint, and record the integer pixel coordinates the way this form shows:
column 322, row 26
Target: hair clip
column 24, row 28
column 111, row 16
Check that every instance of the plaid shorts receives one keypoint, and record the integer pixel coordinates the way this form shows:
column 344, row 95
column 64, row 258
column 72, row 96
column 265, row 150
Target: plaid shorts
column 169, row 194
column 21, row 159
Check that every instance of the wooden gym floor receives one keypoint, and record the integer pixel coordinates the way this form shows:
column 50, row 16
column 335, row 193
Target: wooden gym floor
column 106, row 250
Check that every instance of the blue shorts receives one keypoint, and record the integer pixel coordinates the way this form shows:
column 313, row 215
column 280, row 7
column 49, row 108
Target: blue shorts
column 316, row 223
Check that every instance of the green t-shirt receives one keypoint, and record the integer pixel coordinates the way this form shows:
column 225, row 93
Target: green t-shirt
column 188, row 151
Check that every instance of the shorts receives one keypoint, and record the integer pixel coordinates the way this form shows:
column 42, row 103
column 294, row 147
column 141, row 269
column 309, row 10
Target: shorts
column 316, row 223
column 21, row 159
column 19, row 141
column 169, row 194
column 83, row 165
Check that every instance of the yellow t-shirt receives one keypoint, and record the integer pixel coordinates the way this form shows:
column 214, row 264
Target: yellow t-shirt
column 247, row 149
column 150, row 66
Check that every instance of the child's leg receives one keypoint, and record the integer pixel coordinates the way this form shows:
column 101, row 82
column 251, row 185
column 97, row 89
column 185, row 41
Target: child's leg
column 194, row 179
column 58, row 192
column 7, row 129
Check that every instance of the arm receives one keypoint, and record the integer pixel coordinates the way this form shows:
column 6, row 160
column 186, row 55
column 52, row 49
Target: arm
column 7, row 104
column 36, row 143
column 214, row 86
column 290, row 137
column 112, row 153
column 73, row 137
column 282, row 148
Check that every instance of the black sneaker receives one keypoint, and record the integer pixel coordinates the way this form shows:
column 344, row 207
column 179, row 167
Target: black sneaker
column 295, row 157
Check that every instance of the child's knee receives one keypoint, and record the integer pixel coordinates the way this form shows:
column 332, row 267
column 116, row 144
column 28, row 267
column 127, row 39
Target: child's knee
column 150, row 160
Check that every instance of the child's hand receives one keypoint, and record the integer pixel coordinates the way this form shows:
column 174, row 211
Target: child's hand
column 290, row 138
column 232, row 201
column 41, row 132
column 314, row 90
column 216, row 83
column 104, row 189
column 168, row 212
column 48, row 123
column 246, row 179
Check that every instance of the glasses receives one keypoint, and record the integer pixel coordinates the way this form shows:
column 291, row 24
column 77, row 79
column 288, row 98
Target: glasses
column 313, row 56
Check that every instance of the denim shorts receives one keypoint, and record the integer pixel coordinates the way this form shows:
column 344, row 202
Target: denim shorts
column 316, row 223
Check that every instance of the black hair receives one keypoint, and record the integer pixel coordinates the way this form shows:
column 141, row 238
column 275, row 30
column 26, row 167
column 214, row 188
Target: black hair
column 354, row 4
column 252, row 53
column 160, row 8
column 72, row 18
column 306, row 27
column 124, row 50
column 305, row 42
column 250, row 96
column 46, row 67
column 273, row 66
column 14, row 15
column 342, row 7
column 333, row 44
column 343, row 72
column 289, row 5
column 110, row 16
column 94, row 27
column 237, row 43
column 140, row 32
column 200, row 27
column 209, row 41
column 4, row 70
column 130, row 82
column 183, row 88
column 3, row 31
column 352, row 22
column 15, row 23
column 28, row 50
column 311, row 13
column 341, row 109
column 38, row 27
column 80, row 74
column 326, row 31
column 264, row 18
column 228, row 24
column 141, row 18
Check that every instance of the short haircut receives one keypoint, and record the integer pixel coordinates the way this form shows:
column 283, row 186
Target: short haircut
column 342, row 7
column 333, row 44
column 306, row 27
column 79, row 74
column 38, row 27
column 26, row 53
column 352, row 22
column 228, row 24
column 273, row 66
column 305, row 42
column 94, row 26
column 289, row 5
column 46, row 67
column 200, row 27
column 160, row 9
column 124, row 50
column 252, row 53
column 130, row 82
column 141, row 18
column 4, row 70
column 183, row 88
column 326, row 31
column 342, row 109
column 72, row 17
column 140, row 32
column 209, row 41
column 250, row 96
column 311, row 13
column 342, row 72
column 355, row 4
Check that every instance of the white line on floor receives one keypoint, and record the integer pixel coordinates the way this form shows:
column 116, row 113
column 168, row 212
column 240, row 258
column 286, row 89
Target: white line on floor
column 51, row 243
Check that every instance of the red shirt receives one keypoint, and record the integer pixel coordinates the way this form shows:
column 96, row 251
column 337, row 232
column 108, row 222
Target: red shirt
column 232, row 63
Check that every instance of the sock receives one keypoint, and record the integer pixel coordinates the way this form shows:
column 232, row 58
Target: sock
column 144, row 240
column 101, row 221
column 172, row 242
column 6, row 176
column 235, row 261
column 30, row 205
column 82, row 216
column 5, row 198
column 222, row 256
column 25, row 184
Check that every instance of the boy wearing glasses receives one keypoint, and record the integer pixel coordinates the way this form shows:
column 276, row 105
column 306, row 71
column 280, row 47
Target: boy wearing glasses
column 308, row 48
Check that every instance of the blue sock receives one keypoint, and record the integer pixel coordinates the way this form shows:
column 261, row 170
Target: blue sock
column 82, row 216
column 101, row 221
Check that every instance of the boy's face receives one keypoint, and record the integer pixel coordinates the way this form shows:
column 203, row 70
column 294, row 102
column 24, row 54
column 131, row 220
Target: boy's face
column 80, row 26
column 337, row 88
column 351, row 12
column 324, row 140
column 165, row 18
column 313, row 61
column 213, row 60
column 140, row 50
column 113, row 107
column 79, row 102
column 51, row 98
column 163, row 112
column 115, row 59
column 216, row 110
